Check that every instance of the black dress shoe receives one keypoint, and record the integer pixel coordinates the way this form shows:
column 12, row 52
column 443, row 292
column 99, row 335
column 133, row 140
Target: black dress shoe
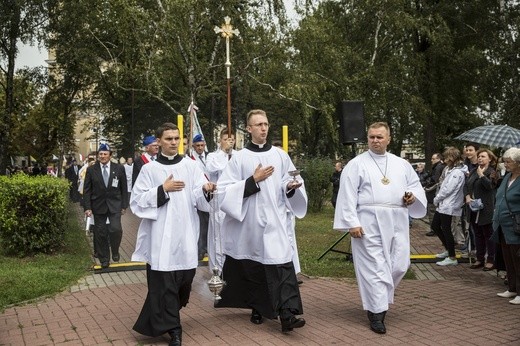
column 105, row 265
column 176, row 340
column 176, row 337
column 291, row 323
column 371, row 316
column 256, row 318
column 378, row 327
column 430, row 234
column 115, row 258
column 377, row 322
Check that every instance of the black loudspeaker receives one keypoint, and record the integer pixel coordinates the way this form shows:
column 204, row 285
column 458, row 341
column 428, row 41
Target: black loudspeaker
column 352, row 128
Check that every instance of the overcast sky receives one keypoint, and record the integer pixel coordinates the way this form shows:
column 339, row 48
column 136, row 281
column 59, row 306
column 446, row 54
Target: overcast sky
column 31, row 57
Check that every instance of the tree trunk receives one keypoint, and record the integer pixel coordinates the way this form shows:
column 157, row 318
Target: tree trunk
column 7, row 116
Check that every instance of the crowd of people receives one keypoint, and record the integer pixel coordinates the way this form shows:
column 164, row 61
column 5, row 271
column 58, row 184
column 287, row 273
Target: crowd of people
column 472, row 199
column 186, row 201
column 33, row 170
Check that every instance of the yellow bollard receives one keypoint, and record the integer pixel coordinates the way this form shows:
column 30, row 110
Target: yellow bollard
column 180, row 125
column 285, row 138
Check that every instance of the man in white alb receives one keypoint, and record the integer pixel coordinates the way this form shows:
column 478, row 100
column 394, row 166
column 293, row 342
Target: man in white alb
column 129, row 167
column 164, row 196
column 199, row 155
column 215, row 164
column 258, row 265
column 378, row 191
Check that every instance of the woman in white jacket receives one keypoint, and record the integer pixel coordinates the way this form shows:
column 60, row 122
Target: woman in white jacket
column 449, row 201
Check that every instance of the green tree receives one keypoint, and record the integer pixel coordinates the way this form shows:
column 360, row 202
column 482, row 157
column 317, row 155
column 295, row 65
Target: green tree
column 417, row 65
column 21, row 21
column 501, row 78
column 431, row 69
column 149, row 59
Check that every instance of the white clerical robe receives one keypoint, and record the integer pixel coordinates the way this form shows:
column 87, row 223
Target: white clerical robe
column 255, row 227
column 167, row 236
column 81, row 177
column 129, row 170
column 215, row 164
column 291, row 228
column 382, row 255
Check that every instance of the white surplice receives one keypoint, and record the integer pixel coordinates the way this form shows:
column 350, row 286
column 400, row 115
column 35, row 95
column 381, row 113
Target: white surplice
column 255, row 227
column 215, row 164
column 382, row 255
column 128, row 171
column 167, row 236
column 291, row 228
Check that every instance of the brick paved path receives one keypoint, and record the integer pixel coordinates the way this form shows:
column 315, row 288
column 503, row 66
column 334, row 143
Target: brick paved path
column 445, row 306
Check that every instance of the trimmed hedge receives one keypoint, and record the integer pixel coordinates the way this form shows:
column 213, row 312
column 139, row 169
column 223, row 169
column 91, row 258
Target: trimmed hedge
column 33, row 214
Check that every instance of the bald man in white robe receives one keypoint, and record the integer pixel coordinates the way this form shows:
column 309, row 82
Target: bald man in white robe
column 378, row 191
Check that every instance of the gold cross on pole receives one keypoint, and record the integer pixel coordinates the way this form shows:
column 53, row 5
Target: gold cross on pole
column 227, row 31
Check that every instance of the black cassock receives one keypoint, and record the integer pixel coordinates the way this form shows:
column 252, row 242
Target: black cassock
column 168, row 292
column 271, row 289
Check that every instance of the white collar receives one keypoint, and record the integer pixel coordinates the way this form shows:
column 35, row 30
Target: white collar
column 169, row 157
column 373, row 154
column 259, row 145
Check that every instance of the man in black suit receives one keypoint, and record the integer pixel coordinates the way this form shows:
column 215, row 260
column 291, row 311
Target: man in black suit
column 106, row 197
column 151, row 148
column 334, row 179
column 71, row 173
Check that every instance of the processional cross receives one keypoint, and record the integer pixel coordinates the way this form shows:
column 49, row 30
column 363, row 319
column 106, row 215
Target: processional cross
column 216, row 283
column 227, row 32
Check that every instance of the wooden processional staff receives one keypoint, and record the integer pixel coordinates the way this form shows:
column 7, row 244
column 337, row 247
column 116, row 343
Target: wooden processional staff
column 216, row 283
column 227, row 32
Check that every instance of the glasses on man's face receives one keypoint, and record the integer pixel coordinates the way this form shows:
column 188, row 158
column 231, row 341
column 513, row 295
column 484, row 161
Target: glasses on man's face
column 260, row 125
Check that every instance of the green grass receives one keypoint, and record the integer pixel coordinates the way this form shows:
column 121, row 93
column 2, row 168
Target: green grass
column 24, row 279
column 314, row 236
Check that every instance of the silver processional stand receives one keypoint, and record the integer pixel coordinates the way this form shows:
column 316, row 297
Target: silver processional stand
column 216, row 283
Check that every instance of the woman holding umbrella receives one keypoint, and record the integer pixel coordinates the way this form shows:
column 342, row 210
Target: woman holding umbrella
column 480, row 198
column 507, row 203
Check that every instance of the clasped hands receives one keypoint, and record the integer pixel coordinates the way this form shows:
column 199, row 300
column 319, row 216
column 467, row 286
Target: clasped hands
column 178, row 185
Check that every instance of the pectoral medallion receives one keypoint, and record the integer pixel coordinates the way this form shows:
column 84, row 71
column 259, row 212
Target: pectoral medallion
column 384, row 180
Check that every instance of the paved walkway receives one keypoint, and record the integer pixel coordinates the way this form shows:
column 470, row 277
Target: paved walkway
column 445, row 306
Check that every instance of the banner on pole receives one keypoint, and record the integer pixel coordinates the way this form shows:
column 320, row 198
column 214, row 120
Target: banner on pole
column 195, row 128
